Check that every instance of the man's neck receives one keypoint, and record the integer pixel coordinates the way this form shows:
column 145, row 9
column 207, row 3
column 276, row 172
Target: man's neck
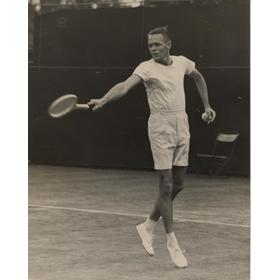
column 166, row 61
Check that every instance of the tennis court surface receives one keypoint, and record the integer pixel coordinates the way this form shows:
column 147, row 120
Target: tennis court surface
column 82, row 226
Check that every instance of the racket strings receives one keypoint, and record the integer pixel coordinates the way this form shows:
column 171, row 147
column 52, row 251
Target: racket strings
column 63, row 105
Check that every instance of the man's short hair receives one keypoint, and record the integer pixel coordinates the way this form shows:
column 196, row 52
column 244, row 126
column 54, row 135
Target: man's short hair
column 161, row 30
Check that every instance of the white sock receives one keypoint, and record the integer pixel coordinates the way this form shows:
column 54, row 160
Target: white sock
column 150, row 225
column 172, row 240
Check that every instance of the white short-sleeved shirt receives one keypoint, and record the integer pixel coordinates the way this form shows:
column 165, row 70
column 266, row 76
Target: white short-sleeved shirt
column 165, row 83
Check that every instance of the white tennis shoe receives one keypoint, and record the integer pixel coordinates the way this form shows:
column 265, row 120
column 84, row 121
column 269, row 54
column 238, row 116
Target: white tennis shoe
column 177, row 256
column 147, row 239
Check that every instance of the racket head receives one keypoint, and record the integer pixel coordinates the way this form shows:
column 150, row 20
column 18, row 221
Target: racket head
column 62, row 105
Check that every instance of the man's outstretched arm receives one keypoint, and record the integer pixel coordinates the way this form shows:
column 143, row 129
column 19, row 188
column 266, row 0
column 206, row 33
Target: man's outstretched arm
column 116, row 92
column 203, row 92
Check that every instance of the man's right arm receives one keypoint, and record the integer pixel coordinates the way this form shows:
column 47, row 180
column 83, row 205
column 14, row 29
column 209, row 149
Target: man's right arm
column 116, row 92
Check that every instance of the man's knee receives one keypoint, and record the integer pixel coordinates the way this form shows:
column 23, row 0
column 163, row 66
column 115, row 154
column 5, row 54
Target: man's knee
column 179, row 174
column 178, row 187
column 165, row 183
column 165, row 189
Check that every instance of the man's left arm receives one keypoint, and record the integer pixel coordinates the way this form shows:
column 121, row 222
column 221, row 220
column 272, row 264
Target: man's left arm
column 203, row 92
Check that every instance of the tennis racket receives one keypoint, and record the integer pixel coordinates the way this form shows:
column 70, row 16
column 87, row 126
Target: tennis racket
column 64, row 105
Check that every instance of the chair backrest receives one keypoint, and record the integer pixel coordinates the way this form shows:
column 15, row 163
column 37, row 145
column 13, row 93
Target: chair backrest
column 225, row 144
column 224, row 137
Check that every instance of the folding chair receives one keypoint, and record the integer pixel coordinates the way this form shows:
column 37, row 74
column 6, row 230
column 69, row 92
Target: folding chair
column 221, row 154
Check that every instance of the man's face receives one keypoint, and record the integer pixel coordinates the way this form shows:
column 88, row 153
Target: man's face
column 159, row 47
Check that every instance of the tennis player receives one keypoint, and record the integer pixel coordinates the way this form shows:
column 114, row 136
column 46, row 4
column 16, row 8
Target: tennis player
column 168, row 129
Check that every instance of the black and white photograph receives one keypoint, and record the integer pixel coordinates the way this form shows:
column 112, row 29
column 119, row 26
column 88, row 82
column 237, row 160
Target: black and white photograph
column 139, row 140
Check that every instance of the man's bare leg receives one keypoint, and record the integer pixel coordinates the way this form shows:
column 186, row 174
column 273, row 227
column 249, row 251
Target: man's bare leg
column 163, row 207
column 164, row 201
column 178, row 176
column 171, row 183
column 164, row 204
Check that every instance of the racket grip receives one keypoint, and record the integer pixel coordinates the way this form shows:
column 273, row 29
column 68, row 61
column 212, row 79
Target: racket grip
column 82, row 106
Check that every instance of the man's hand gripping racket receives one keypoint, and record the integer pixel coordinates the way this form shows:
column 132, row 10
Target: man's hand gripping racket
column 96, row 103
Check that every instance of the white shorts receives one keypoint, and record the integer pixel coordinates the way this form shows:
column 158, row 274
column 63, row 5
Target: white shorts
column 169, row 138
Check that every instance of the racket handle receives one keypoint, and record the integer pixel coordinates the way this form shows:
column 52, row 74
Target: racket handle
column 82, row 106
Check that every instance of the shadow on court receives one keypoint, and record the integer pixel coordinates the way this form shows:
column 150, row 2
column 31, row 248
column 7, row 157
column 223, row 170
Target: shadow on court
column 82, row 226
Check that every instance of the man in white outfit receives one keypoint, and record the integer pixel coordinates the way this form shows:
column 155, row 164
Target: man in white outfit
column 168, row 129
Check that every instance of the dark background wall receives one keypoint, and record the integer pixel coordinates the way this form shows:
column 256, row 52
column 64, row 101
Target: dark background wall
column 87, row 51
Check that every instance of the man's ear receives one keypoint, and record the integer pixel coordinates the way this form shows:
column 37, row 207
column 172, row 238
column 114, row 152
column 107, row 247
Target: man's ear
column 169, row 44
